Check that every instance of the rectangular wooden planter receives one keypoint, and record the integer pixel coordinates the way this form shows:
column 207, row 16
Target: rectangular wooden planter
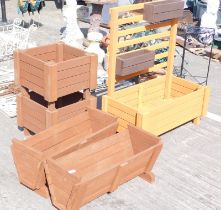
column 163, row 10
column 145, row 105
column 55, row 70
column 134, row 62
column 84, row 128
column 84, row 174
column 34, row 115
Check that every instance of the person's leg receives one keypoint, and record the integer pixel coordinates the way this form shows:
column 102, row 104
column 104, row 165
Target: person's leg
column 95, row 17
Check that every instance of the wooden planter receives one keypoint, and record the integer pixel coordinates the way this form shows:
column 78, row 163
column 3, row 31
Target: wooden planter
column 55, row 70
column 145, row 106
column 134, row 62
column 84, row 174
column 30, row 154
column 163, row 10
column 34, row 115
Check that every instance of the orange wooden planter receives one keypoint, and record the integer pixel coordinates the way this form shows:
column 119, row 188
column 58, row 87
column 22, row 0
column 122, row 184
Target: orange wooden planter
column 55, row 70
column 84, row 174
column 30, row 154
column 34, row 115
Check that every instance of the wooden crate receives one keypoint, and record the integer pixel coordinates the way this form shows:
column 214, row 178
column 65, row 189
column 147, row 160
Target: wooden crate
column 145, row 106
column 132, row 62
column 29, row 155
column 55, row 70
column 82, row 175
column 163, row 10
column 33, row 112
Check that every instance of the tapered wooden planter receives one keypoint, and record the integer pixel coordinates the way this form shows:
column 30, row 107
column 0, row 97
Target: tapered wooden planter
column 145, row 106
column 34, row 115
column 133, row 62
column 163, row 10
column 84, row 174
column 30, row 154
column 55, row 70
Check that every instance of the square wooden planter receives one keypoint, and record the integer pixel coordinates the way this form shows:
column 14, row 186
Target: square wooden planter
column 55, row 70
column 163, row 10
column 84, row 174
column 134, row 62
column 145, row 105
column 84, row 128
column 34, row 115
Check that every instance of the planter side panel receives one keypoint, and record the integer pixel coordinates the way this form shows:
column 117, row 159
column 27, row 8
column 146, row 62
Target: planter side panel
column 72, row 110
column 31, row 73
column 73, row 75
column 124, row 113
column 175, row 113
column 33, row 115
column 30, row 172
column 45, row 53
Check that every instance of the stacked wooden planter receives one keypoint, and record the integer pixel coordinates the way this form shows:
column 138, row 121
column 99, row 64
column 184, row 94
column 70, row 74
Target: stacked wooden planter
column 50, row 77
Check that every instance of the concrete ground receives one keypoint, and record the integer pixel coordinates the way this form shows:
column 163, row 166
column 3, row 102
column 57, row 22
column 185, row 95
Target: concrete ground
column 188, row 171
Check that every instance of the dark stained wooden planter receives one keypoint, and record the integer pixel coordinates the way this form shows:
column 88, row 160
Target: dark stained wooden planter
column 81, row 175
column 134, row 62
column 34, row 115
column 163, row 10
column 29, row 155
column 55, row 70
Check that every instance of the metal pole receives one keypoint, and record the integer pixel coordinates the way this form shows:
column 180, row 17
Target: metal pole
column 4, row 19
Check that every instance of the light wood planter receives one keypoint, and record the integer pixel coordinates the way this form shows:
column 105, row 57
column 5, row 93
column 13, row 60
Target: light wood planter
column 163, row 10
column 55, row 70
column 84, row 174
column 132, row 62
column 30, row 154
column 34, row 115
column 145, row 106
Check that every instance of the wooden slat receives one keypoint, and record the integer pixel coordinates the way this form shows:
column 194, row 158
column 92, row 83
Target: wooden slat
column 121, row 114
column 161, row 55
column 132, row 19
column 181, row 89
column 31, row 69
column 73, row 88
column 143, row 28
column 73, row 71
column 79, row 61
column 126, row 8
column 186, row 83
column 80, row 78
column 47, row 56
column 32, row 78
column 32, row 60
column 143, row 39
column 32, row 86
column 122, row 106
column 41, row 49
column 181, row 100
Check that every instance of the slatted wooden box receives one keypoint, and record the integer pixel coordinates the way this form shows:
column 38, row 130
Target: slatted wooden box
column 29, row 155
column 163, row 10
column 82, row 175
column 55, row 70
column 134, row 62
column 145, row 105
column 33, row 112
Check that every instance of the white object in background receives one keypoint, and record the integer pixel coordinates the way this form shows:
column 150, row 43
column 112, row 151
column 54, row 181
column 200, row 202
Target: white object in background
column 13, row 37
column 94, row 47
column 72, row 34
column 209, row 18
